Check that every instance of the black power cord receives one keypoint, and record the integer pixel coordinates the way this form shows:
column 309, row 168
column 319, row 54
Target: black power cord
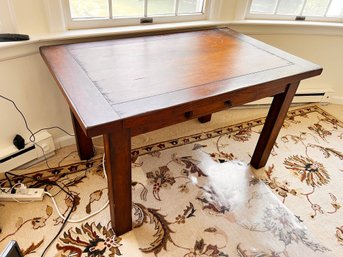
column 32, row 139
column 48, row 128
column 8, row 179
column 61, row 228
column 50, row 183
column 46, row 182
column 22, row 115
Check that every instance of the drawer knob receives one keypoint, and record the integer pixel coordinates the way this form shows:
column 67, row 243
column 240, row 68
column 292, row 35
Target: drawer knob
column 188, row 114
column 228, row 103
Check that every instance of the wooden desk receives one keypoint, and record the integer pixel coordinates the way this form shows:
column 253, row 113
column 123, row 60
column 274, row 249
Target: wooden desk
column 124, row 87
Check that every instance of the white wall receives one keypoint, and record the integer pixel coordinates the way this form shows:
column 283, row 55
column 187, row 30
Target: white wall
column 30, row 16
column 26, row 80
column 325, row 50
column 7, row 21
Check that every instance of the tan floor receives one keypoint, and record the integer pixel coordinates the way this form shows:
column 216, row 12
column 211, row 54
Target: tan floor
column 220, row 119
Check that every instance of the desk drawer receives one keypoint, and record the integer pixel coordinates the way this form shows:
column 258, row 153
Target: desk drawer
column 166, row 117
column 198, row 108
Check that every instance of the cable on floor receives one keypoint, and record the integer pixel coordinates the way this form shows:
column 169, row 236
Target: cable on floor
column 32, row 139
column 70, row 220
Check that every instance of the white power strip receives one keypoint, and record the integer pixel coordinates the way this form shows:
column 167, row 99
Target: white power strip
column 26, row 195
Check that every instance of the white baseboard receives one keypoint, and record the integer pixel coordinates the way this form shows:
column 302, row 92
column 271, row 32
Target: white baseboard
column 64, row 141
column 11, row 157
column 334, row 99
column 69, row 140
column 302, row 96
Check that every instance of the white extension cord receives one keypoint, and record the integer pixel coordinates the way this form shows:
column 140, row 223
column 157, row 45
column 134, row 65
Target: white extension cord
column 70, row 220
column 23, row 193
column 90, row 215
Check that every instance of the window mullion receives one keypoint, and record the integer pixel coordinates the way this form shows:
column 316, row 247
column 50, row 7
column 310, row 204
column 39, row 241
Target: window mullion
column 276, row 7
column 110, row 16
column 204, row 4
column 110, row 9
column 303, row 8
column 145, row 8
column 327, row 8
column 177, row 2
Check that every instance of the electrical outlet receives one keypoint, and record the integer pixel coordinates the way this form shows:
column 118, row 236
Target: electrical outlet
column 30, row 194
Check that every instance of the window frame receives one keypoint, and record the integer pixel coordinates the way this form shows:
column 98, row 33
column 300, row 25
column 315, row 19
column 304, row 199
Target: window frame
column 280, row 17
column 72, row 24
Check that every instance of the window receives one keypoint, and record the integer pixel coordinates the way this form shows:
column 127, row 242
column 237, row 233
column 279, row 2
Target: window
column 105, row 13
column 320, row 10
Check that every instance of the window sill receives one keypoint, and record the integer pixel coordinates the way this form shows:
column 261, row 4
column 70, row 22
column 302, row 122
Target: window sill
column 12, row 50
column 245, row 26
column 105, row 32
column 254, row 27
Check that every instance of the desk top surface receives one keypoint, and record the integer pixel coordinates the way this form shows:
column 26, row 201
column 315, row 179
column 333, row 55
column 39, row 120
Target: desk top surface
column 108, row 81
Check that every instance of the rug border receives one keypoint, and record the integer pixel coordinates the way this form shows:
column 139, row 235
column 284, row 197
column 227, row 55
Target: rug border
column 189, row 139
column 198, row 137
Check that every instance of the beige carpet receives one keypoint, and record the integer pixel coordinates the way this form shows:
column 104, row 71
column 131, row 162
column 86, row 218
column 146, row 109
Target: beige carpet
column 195, row 196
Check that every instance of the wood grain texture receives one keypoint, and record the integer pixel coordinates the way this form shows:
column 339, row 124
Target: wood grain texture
column 275, row 118
column 84, row 144
column 124, row 87
column 118, row 169
column 114, row 80
column 86, row 102
column 163, row 64
column 168, row 116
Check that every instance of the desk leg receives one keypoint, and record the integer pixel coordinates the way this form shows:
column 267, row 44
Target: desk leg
column 118, row 170
column 272, row 126
column 84, row 144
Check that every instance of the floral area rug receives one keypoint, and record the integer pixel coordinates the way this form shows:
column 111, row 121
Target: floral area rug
column 197, row 196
